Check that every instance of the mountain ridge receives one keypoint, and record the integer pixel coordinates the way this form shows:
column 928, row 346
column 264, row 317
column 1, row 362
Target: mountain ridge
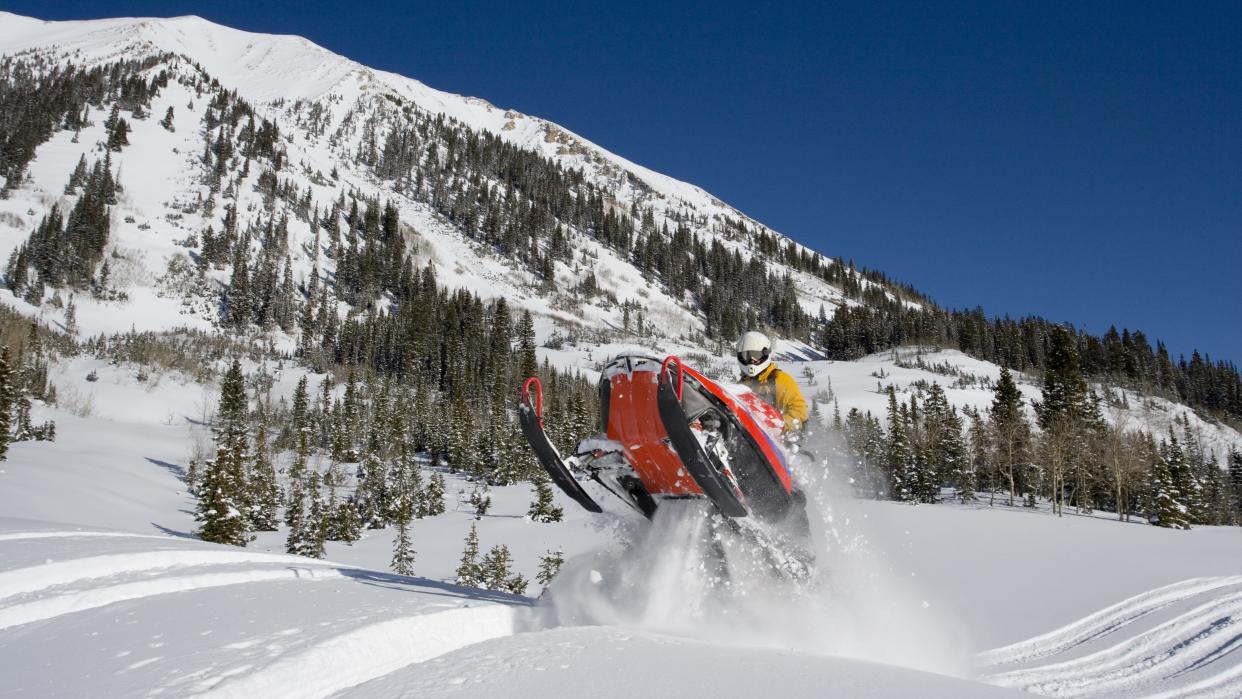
column 474, row 111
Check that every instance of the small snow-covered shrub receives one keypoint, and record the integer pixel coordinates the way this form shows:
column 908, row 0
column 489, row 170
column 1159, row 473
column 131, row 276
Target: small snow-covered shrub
column 76, row 402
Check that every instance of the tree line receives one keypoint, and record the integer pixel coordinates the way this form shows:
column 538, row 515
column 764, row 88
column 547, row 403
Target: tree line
column 1068, row 455
column 1125, row 359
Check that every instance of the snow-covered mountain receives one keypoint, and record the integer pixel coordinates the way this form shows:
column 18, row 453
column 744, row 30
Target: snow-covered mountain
column 328, row 109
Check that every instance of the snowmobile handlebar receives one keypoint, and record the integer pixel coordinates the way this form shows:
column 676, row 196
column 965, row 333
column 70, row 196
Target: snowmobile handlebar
column 538, row 406
column 680, row 371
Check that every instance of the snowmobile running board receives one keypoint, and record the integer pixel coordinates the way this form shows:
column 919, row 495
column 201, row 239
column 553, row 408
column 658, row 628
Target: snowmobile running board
column 706, row 470
column 531, row 417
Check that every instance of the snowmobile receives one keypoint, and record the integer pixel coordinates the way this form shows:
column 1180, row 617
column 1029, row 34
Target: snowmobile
column 669, row 432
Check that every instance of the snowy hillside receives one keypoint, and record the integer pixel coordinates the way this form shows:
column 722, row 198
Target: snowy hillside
column 1066, row 609
column 317, row 100
column 942, row 600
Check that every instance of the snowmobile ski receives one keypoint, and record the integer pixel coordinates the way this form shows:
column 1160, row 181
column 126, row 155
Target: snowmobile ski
column 531, row 417
column 707, row 470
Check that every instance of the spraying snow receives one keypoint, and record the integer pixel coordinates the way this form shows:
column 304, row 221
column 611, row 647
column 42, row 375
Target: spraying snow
column 686, row 574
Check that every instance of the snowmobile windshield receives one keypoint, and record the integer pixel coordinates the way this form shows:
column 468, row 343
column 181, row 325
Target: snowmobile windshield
column 753, row 357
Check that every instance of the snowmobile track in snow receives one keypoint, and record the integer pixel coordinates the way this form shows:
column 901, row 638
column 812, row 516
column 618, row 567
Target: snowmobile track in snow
column 1192, row 653
column 341, row 651
column 22, row 536
column 79, row 601
column 365, row 653
column 1105, row 621
column 41, row 577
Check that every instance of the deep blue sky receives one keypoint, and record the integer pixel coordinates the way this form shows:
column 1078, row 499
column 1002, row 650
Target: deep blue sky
column 1082, row 163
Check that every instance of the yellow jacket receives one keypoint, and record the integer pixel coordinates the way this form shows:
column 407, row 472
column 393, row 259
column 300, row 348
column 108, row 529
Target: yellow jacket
column 780, row 389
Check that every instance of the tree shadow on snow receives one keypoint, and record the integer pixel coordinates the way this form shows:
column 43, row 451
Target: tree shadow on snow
column 174, row 469
column 425, row 586
column 173, row 532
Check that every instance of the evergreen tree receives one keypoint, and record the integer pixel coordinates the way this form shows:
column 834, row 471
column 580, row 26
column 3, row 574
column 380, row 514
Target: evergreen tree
column 432, row 502
column 549, row 565
column 469, row 572
column 221, row 504
column 544, row 507
column 946, row 449
column 1010, row 433
column 316, row 522
column 298, row 542
column 295, row 496
column 405, row 484
column 481, row 501
column 528, row 364
column 346, row 524
column 372, row 492
column 238, row 298
column 7, row 391
column 403, row 549
column 497, row 572
column 265, row 494
column 224, row 496
column 1235, row 482
column 1195, row 481
column 920, row 481
column 898, row 454
column 982, row 474
column 1068, row 414
column 1166, row 510
column 1185, row 489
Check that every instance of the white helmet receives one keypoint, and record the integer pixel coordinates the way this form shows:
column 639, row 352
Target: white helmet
column 754, row 353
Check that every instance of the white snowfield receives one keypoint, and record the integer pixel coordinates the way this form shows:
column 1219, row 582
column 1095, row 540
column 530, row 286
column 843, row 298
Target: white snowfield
column 907, row 597
column 177, row 624
column 187, row 618
column 938, row 600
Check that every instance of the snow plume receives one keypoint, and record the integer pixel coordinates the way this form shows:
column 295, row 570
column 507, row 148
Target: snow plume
column 688, row 574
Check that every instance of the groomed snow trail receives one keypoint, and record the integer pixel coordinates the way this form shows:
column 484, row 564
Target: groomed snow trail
column 1191, row 650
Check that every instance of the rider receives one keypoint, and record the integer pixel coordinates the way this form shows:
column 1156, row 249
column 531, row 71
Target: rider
column 761, row 375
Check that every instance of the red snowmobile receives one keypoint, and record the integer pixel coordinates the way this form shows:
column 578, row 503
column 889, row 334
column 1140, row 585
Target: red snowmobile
column 669, row 432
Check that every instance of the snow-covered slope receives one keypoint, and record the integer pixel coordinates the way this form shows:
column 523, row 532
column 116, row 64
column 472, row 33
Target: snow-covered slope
column 1070, row 610
column 968, row 383
column 103, row 590
column 266, row 68
column 286, row 79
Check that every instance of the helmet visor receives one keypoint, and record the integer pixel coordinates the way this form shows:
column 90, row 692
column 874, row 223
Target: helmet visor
column 753, row 357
